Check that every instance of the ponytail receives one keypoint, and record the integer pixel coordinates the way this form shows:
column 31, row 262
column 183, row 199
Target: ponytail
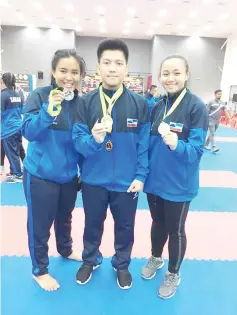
column 9, row 80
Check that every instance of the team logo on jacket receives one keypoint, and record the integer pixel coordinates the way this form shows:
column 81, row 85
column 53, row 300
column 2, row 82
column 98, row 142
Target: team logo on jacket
column 176, row 127
column 15, row 99
column 132, row 122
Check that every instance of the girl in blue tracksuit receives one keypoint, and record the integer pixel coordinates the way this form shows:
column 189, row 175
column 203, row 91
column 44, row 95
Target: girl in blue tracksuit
column 11, row 138
column 50, row 176
column 179, row 126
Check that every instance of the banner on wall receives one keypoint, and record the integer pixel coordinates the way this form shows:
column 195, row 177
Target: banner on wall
column 149, row 82
column 233, row 98
column 24, row 85
column 133, row 83
column 90, row 82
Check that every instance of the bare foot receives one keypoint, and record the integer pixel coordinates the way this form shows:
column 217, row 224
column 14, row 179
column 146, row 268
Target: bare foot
column 47, row 282
column 75, row 256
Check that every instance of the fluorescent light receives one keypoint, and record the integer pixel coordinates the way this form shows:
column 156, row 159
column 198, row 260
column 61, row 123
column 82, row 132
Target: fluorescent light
column 131, row 11
column 128, row 23
column 32, row 32
column 163, row 12
column 103, row 30
column 154, row 24
column 100, row 9
column 194, row 42
column 223, row 16
column 37, row 5
column 207, row 1
column 150, row 32
column 4, row 3
column 196, row 35
column 55, row 27
column 126, row 32
column 195, row 38
column 208, row 27
column 193, row 14
column 68, row 7
column 181, row 26
column 102, row 21
column 78, row 28
column 75, row 20
column 20, row 16
column 56, row 33
column 48, row 18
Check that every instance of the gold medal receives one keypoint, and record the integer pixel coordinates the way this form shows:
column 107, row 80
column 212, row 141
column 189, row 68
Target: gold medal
column 163, row 129
column 107, row 112
column 108, row 122
column 109, row 146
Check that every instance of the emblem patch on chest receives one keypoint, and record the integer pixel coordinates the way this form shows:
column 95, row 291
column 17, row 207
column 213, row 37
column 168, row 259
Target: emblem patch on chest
column 132, row 122
column 176, row 127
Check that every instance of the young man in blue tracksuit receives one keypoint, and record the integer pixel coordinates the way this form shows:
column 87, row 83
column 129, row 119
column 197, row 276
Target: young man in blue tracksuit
column 11, row 110
column 179, row 127
column 50, row 174
column 112, row 133
column 152, row 97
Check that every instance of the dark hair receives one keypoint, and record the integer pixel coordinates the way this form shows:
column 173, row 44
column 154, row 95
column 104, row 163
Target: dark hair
column 67, row 53
column 153, row 87
column 218, row 91
column 113, row 44
column 9, row 80
column 176, row 56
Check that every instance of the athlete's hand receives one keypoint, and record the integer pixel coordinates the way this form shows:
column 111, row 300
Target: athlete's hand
column 171, row 139
column 136, row 186
column 56, row 97
column 99, row 132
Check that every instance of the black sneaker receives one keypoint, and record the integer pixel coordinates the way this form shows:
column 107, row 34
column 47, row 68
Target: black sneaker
column 12, row 179
column 84, row 273
column 215, row 149
column 124, row 279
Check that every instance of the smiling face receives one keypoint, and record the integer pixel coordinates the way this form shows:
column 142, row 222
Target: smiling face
column 67, row 73
column 113, row 69
column 173, row 75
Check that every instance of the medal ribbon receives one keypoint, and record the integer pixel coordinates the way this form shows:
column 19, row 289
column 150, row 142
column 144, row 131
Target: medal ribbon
column 175, row 105
column 111, row 101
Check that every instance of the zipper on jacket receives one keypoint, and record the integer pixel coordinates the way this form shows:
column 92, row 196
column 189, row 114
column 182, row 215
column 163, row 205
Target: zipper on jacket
column 69, row 130
column 68, row 116
column 114, row 144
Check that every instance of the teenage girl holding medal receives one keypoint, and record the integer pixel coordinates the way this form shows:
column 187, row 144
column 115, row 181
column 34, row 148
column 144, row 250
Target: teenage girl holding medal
column 50, row 175
column 112, row 133
column 179, row 126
